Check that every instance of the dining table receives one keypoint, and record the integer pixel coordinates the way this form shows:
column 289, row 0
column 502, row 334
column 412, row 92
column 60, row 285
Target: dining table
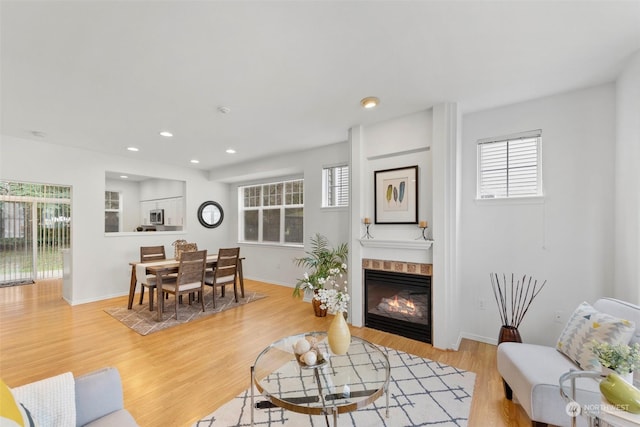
column 170, row 266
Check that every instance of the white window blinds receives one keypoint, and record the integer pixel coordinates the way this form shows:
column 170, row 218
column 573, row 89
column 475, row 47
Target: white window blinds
column 509, row 167
column 335, row 186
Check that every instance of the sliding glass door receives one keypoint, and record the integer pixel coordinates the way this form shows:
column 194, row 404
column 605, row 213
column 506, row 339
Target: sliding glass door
column 35, row 227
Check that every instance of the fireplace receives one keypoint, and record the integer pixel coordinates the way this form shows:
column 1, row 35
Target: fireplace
column 398, row 303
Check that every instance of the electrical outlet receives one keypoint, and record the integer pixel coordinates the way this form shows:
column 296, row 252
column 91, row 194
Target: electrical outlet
column 482, row 304
column 558, row 316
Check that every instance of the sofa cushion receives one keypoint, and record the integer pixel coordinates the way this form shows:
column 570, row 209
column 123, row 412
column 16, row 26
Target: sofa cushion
column 121, row 418
column 532, row 371
column 587, row 324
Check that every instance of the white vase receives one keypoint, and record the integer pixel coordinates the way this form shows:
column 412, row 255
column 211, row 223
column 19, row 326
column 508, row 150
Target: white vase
column 339, row 335
column 628, row 377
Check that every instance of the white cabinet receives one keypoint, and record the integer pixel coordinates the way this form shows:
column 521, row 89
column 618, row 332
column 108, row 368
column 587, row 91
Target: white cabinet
column 173, row 208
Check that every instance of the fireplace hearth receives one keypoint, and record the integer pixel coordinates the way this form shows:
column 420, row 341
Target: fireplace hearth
column 398, row 303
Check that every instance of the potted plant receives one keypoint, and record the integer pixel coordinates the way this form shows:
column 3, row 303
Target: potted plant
column 621, row 358
column 326, row 265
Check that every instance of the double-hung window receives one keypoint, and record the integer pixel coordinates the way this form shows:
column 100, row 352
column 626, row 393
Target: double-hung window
column 112, row 211
column 510, row 166
column 335, row 186
column 272, row 213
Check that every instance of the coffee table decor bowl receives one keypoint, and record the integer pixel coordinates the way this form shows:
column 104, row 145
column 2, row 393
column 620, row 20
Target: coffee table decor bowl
column 308, row 355
column 327, row 387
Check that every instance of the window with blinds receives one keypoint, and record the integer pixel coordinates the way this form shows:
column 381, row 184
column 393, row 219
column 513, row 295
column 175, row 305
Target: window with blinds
column 510, row 167
column 335, row 186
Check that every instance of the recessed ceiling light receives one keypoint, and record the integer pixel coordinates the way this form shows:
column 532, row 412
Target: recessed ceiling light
column 124, row 176
column 230, row 151
column 132, row 149
column 166, row 134
column 194, row 161
column 370, row 102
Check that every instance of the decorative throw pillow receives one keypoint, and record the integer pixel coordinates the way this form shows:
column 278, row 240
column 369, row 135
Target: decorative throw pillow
column 587, row 324
column 12, row 413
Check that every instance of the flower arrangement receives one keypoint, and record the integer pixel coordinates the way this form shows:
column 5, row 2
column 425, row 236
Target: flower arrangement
column 621, row 358
column 327, row 267
column 335, row 299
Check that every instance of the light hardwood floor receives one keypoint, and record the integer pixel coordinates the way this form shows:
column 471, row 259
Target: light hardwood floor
column 175, row 377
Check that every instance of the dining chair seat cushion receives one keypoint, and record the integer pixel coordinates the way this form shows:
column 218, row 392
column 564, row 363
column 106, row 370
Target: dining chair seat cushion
column 208, row 278
column 185, row 287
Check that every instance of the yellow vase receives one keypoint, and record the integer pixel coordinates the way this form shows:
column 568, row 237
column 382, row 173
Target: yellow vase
column 339, row 335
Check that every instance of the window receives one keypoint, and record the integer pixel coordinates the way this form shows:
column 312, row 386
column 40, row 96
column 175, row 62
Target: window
column 111, row 211
column 509, row 167
column 272, row 213
column 335, row 186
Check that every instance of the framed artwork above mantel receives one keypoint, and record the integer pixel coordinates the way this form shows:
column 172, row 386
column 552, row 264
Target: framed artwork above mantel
column 396, row 195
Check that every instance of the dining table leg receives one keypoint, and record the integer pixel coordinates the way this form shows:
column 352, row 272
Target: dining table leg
column 132, row 287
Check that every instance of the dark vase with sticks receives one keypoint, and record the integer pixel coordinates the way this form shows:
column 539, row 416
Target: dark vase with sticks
column 514, row 300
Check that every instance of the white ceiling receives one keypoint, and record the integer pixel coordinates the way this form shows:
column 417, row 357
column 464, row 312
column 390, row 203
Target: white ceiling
column 105, row 75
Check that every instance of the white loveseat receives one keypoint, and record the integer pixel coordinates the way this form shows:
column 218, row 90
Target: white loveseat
column 94, row 399
column 531, row 372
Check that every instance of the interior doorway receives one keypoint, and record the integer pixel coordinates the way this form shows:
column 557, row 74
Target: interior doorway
column 35, row 228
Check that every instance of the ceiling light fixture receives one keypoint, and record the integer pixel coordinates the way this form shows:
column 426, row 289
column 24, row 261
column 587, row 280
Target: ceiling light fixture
column 124, row 176
column 230, row 151
column 132, row 149
column 194, row 161
column 370, row 102
column 166, row 134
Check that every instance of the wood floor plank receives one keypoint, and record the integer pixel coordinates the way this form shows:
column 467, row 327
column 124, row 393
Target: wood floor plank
column 175, row 377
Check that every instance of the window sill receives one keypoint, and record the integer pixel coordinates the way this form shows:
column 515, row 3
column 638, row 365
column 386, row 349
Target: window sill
column 503, row 201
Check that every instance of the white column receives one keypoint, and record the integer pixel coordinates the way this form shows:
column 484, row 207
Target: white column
column 357, row 208
column 445, row 150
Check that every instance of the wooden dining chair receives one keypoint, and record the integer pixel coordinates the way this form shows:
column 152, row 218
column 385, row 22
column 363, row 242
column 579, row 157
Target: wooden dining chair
column 190, row 278
column 224, row 273
column 149, row 254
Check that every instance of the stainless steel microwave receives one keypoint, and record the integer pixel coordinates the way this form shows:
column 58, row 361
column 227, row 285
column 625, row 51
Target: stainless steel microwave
column 156, row 216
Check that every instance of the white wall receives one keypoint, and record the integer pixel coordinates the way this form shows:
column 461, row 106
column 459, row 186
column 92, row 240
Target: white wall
column 566, row 238
column 274, row 264
column 101, row 262
column 627, row 215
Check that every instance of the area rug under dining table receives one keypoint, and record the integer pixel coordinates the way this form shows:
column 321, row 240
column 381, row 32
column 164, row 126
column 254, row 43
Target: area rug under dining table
column 144, row 322
column 422, row 392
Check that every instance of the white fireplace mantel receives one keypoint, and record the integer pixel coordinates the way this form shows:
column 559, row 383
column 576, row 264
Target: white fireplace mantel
column 420, row 244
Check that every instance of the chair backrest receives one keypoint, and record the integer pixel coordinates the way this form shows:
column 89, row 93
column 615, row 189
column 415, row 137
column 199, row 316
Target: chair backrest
column 152, row 253
column 226, row 265
column 192, row 265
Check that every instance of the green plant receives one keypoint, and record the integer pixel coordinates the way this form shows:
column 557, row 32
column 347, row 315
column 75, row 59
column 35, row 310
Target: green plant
column 621, row 358
column 326, row 265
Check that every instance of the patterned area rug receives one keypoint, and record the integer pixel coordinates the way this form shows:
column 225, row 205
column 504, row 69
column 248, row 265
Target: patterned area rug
column 421, row 393
column 143, row 321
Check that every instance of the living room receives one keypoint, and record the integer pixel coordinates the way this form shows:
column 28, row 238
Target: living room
column 581, row 236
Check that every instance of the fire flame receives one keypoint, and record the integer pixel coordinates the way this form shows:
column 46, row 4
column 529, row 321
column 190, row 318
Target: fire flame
column 407, row 308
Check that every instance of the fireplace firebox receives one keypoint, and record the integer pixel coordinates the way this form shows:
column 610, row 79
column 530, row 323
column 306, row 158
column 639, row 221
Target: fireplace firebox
column 398, row 303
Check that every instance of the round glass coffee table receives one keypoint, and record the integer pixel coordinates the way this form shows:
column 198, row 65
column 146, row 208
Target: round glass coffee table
column 343, row 383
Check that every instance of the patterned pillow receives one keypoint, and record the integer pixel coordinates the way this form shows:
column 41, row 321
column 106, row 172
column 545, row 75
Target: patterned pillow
column 587, row 324
column 12, row 413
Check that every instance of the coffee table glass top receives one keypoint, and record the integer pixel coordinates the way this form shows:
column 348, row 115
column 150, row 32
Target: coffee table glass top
column 345, row 383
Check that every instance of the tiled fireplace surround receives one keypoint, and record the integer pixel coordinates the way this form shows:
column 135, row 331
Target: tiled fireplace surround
column 397, row 266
